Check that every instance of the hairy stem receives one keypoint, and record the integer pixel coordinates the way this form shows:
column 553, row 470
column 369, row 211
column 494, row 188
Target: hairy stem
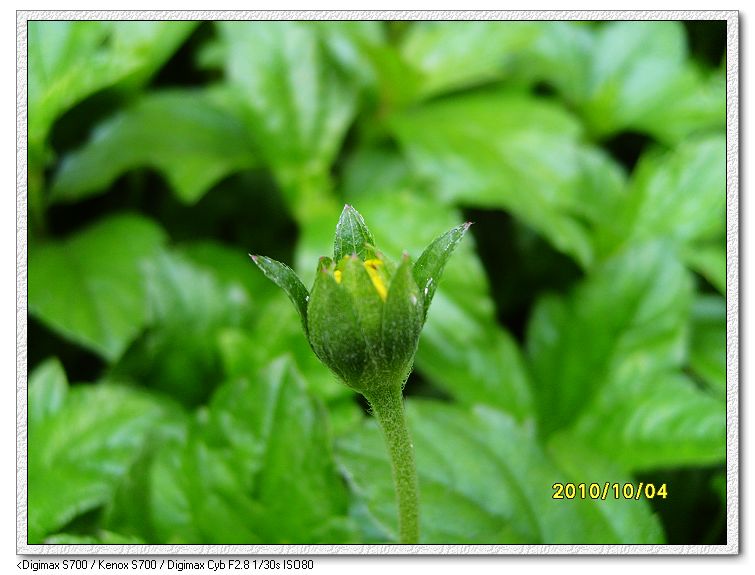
column 388, row 406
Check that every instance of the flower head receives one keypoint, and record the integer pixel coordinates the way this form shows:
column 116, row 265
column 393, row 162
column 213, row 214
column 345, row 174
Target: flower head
column 365, row 313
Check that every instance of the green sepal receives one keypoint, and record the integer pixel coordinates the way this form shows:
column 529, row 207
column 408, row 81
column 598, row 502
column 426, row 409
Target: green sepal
column 403, row 315
column 367, row 301
column 429, row 267
column 334, row 330
column 352, row 236
column 286, row 279
column 368, row 308
column 390, row 265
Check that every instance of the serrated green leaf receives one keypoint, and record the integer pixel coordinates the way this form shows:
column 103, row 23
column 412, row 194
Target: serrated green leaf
column 640, row 79
column 429, row 266
column 628, row 519
column 351, row 45
column 696, row 104
column 230, row 266
column 198, row 496
column 488, row 474
column 505, row 150
column 561, row 56
column 131, row 509
column 708, row 341
column 679, row 196
column 396, row 82
column 78, row 452
column 70, row 60
column 89, row 287
column 633, row 306
column 628, row 76
column 191, row 139
column 455, row 55
column 188, row 309
column 286, row 279
column 259, row 471
column 276, row 333
column 647, row 419
column 352, row 236
column 369, row 171
column 298, row 104
column 473, row 359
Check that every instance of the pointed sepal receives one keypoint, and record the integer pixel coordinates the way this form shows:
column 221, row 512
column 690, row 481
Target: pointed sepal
column 286, row 279
column 403, row 316
column 335, row 331
column 353, row 236
column 429, row 267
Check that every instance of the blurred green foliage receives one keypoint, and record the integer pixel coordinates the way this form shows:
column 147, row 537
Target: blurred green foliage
column 578, row 336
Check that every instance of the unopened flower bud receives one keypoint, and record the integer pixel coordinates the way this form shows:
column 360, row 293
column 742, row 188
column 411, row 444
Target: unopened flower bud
column 365, row 313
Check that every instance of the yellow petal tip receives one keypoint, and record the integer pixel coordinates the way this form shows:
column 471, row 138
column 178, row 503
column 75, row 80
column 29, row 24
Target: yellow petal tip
column 377, row 278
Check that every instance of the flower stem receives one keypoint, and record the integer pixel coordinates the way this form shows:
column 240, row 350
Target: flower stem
column 388, row 406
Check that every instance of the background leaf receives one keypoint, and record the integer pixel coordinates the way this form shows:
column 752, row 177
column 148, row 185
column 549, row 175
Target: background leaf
column 80, row 446
column 708, row 342
column 99, row 269
column 709, row 260
column 679, row 196
column 257, row 469
column 187, row 310
column 504, row 150
column 297, row 106
column 638, row 72
column 647, row 419
column 465, row 462
column 69, row 61
column 632, row 307
column 191, row 139
column 561, row 57
column 453, row 55
column 621, row 517
column 46, row 396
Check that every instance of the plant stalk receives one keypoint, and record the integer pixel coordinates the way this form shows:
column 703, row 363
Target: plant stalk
column 388, row 406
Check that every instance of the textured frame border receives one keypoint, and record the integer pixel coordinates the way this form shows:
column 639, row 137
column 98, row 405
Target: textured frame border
column 732, row 288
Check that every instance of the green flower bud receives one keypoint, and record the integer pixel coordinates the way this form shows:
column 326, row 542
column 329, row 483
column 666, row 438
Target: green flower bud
column 364, row 315
column 364, row 321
